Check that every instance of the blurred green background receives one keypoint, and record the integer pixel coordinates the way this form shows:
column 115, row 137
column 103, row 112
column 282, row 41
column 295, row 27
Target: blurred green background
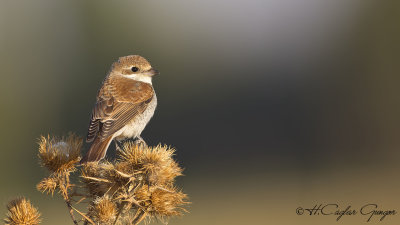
column 272, row 105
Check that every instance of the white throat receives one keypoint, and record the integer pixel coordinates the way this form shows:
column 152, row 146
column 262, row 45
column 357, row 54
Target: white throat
column 138, row 77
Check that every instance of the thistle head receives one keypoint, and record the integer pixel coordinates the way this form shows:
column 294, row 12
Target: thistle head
column 60, row 154
column 103, row 210
column 21, row 211
column 48, row 185
column 155, row 163
column 162, row 202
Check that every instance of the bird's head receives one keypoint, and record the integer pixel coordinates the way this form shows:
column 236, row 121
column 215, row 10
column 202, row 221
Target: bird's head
column 135, row 67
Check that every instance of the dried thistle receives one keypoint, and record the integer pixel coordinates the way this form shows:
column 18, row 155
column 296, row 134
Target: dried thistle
column 47, row 185
column 166, row 203
column 155, row 163
column 103, row 210
column 21, row 211
column 161, row 202
column 60, row 154
column 139, row 185
column 100, row 178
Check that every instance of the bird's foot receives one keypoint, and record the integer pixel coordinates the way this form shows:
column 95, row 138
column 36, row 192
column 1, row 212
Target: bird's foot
column 140, row 142
column 118, row 145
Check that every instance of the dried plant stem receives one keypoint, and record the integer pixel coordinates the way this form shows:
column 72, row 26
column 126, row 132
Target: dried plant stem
column 64, row 186
column 140, row 215
column 87, row 219
column 71, row 211
column 121, row 207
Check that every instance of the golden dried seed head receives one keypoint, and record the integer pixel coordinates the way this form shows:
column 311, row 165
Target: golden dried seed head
column 143, row 195
column 155, row 163
column 103, row 210
column 167, row 202
column 22, row 212
column 60, row 154
column 47, row 185
column 99, row 177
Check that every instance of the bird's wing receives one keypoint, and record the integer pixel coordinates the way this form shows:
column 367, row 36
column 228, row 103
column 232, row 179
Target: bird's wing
column 119, row 101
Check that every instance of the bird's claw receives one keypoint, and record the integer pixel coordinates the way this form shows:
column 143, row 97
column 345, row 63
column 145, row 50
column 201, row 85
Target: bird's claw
column 140, row 142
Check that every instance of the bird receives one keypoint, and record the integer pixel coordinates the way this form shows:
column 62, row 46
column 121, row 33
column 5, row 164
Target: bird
column 125, row 103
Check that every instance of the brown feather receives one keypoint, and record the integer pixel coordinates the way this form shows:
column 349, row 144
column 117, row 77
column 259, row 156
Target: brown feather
column 98, row 150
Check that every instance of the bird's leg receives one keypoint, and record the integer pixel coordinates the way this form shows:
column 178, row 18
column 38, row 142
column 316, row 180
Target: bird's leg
column 117, row 145
column 139, row 141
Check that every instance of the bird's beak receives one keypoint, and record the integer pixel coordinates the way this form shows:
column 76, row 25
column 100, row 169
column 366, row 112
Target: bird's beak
column 151, row 72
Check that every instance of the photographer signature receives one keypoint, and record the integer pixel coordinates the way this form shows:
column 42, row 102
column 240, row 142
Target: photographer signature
column 368, row 210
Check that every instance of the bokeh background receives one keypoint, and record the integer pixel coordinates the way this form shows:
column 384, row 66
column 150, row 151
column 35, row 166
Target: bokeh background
column 272, row 105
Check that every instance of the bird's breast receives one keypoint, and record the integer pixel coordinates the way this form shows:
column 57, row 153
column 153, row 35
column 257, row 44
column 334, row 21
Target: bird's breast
column 135, row 127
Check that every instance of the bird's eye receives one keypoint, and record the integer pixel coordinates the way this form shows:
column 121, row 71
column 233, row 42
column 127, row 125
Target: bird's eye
column 134, row 69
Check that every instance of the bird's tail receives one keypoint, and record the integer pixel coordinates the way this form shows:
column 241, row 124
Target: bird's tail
column 98, row 150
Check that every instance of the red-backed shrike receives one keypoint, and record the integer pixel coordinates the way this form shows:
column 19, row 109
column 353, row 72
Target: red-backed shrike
column 125, row 104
